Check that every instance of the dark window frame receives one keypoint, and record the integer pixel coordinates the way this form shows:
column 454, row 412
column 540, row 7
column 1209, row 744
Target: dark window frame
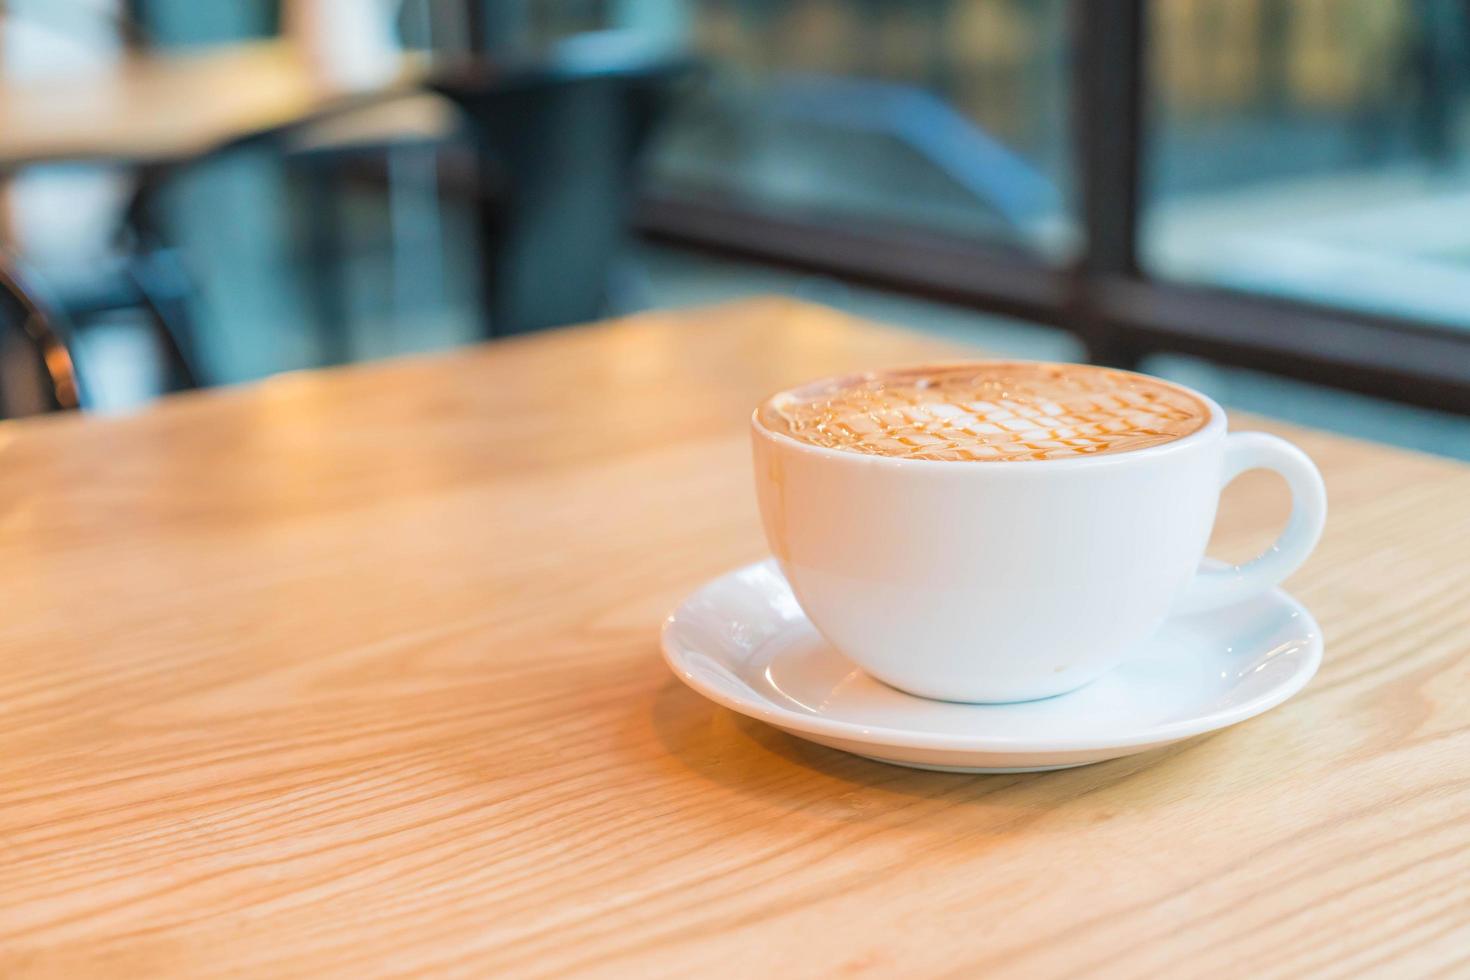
column 1104, row 297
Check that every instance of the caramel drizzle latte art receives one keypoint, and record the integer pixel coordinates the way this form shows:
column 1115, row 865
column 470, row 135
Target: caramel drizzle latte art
column 1001, row 412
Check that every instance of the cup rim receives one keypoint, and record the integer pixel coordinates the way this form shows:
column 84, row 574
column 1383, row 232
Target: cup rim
column 1214, row 427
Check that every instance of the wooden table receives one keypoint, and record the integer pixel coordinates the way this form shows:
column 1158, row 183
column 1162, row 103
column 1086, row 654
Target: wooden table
column 357, row 673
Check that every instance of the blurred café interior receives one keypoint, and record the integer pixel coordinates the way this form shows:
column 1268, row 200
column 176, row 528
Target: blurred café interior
column 1266, row 199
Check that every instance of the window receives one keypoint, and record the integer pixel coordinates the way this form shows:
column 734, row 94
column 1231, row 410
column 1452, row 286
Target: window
column 1282, row 185
column 938, row 115
column 1313, row 149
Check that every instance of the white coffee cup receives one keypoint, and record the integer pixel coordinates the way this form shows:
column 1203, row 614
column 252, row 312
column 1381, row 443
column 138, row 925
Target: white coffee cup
column 1009, row 581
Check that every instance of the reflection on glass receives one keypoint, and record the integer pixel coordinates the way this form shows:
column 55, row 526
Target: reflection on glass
column 946, row 115
column 1315, row 149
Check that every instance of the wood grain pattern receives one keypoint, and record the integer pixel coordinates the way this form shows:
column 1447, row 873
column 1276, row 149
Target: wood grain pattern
column 355, row 673
column 159, row 107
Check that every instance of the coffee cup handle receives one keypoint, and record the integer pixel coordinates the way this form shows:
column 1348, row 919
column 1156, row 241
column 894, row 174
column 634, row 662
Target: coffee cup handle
column 1216, row 587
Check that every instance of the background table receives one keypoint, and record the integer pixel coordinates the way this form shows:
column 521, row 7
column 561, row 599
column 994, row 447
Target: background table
column 177, row 106
column 156, row 114
column 357, row 672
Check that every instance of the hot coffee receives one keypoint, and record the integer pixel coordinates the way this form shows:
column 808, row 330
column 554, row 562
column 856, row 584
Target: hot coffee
column 981, row 581
column 987, row 411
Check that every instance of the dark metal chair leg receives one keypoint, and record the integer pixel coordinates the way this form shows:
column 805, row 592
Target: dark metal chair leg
column 326, row 259
column 165, row 291
column 164, row 285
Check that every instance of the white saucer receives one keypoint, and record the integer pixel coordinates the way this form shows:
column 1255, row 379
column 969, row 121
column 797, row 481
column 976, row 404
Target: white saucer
column 743, row 642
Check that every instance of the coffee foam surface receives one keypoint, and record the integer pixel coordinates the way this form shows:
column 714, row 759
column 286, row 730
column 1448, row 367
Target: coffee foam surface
column 994, row 411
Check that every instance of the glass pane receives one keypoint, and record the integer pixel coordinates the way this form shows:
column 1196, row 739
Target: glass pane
column 1315, row 149
column 946, row 115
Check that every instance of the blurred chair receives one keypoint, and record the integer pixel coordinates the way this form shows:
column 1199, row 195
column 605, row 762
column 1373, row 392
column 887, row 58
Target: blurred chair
column 37, row 371
column 560, row 139
column 87, row 231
